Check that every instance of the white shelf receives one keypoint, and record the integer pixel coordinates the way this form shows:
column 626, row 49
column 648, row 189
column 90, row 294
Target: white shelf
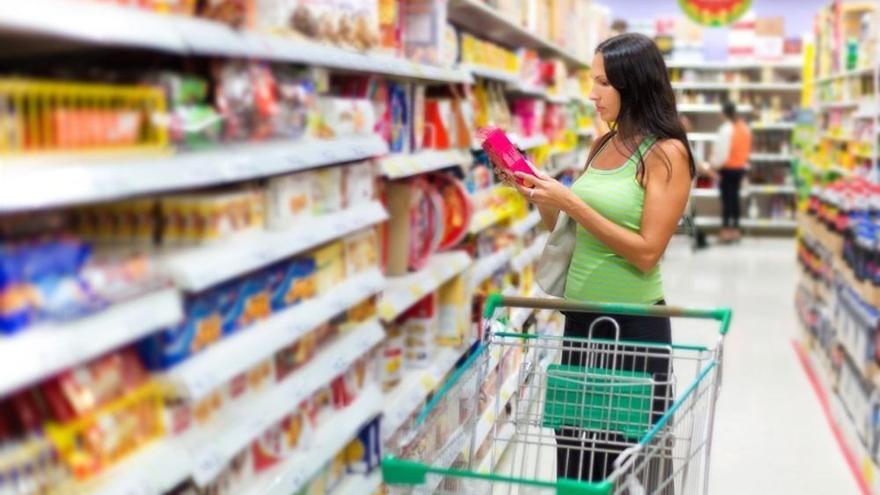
column 213, row 446
column 847, row 74
column 402, row 165
column 709, row 108
column 198, row 268
column 40, row 352
column 750, row 223
column 43, row 183
column 772, row 126
column 402, row 292
column 586, row 132
column 109, row 25
column 771, row 157
column 842, row 104
column 156, row 469
column 290, row 476
column 530, row 254
column 505, row 435
column 521, row 227
column 413, row 391
column 485, row 267
column 769, row 86
column 491, row 73
column 788, row 63
column 484, row 219
column 703, row 85
column 476, row 17
column 771, row 189
column 360, row 484
column 457, row 442
column 702, row 136
column 736, row 86
column 217, row 365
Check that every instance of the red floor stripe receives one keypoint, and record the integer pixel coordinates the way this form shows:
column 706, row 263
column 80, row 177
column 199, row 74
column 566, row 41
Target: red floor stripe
column 826, row 409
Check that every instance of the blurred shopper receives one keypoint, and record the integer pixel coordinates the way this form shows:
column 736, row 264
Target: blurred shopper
column 730, row 155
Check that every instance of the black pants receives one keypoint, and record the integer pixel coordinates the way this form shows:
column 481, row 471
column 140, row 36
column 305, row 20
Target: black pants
column 731, row 180
column 589, row 456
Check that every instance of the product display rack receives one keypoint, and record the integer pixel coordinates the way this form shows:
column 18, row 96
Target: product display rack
column 764, row 91
column 838, row 149
column 203, row 455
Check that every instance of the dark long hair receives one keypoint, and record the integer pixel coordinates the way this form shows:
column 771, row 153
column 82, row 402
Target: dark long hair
column 635, row 68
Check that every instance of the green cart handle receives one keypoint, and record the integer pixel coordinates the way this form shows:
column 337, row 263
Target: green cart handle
column 495, row 301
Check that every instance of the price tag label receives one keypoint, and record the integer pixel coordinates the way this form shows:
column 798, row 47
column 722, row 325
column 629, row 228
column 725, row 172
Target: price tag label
column 428, row 382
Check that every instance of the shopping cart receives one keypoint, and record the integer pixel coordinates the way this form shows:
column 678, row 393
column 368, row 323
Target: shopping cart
column 495, row 426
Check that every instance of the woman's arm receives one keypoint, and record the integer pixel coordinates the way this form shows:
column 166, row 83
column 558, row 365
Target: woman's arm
column 549, row 215
column 666, row 195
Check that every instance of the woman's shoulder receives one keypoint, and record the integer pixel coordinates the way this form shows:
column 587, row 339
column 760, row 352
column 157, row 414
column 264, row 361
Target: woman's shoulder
column 669, row 153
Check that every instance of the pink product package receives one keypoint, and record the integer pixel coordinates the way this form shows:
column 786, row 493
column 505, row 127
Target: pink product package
column 524, row 111
column 503, row 153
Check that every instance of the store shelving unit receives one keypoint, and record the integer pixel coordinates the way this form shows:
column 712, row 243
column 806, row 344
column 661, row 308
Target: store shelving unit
column 734, row 82
column 41, row 352
column 70, row 180
column 60, row 180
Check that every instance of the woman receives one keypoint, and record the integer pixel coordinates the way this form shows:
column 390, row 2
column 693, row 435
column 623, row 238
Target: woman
column 627, row 205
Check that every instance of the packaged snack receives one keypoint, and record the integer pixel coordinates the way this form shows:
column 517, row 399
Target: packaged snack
column 358, row 184
column 235, row 13
column 419, row 325
column 297, row 430
column 457, row 209
column 424, row 23
column 289, row 199
column 392, row 356
column 193, row 122
column 437, row 125
column 412, row 228
column 235, row 99
column 361, row 251
column 330, row 266
column 336, row 472
column 341, row 117
column 295, row 282
column 269, row 448
column 254, row 301
column 401, row 119
column 503, row 153
column 453, row 313
column 315, row 19
column 364, row 453
column 327, row 196
column 296, row 102
column 295, row 356
column 389, row 27
column 417, row 105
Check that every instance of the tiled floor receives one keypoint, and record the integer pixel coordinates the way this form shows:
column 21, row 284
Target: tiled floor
column 770, row 436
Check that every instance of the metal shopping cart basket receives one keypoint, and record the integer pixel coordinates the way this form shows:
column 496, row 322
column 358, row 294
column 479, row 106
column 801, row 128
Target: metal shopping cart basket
column 539, row 413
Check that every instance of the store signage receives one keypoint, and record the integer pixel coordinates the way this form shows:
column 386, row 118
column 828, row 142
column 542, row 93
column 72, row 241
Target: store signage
column 715, row 12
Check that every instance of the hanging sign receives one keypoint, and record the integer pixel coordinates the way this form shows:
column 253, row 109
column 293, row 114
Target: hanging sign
column 714, row 13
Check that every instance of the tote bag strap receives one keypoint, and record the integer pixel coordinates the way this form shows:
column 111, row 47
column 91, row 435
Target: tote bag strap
column 597, row 148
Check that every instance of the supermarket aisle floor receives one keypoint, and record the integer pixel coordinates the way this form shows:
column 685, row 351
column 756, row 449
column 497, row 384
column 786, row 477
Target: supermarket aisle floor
column 771, row 435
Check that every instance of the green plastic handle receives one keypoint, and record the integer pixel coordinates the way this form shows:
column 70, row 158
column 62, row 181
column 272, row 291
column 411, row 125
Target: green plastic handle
column 494, row 301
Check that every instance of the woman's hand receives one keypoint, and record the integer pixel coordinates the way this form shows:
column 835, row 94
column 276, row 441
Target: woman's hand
column 545, row 191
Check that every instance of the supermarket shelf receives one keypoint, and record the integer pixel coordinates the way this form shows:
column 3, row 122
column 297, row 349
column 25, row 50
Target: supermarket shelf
column 750, row 223
column 213, row 446
column 505, row 435
column 841, row 104
column 771, row 157
column 530, row 254
column 487, row 419
column 485, row 267
column 771, row 189
column 582, row 100
column 40, row 352
column 414, row 390
column 772, row 126
column 199, row 268
column 402, row 292
column 397, row 166
column 109, row 25
column 702, row 136
column 847, row 74
column 529, row 142
column 709, row 108
column 457, row 442
column 491, row 73
column 290, row 476
column 73, row 180
column 476, row 17
column 790, row 63
column 521, row 227
column 204, row 372
column 156, row 469
column 360, row 484
column 708, row 192
column 703, row 85
column 769, row 86
column 487, row 218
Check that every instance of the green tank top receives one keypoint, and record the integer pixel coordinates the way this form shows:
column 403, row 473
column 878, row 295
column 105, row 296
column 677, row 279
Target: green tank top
column 596, row 273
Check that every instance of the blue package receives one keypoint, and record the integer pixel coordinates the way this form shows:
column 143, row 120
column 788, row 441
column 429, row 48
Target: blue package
column 296, row 284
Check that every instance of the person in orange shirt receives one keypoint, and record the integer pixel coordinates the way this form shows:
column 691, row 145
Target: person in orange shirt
column 730, row 154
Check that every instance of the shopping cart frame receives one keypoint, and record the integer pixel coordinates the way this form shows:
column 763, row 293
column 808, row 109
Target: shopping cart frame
column 398, row 471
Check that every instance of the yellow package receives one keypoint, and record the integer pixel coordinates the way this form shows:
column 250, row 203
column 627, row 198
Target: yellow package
column 330, row 268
